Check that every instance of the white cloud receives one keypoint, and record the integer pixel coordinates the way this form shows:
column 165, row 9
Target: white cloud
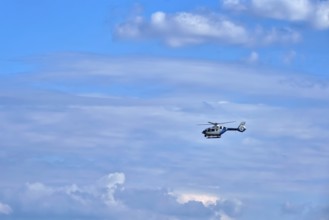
column 38, row 190
column 192, row 28
column 131, row 29
column 306, row 210
column 321, row 15
column 158, row 19
column 315, row 13
column 253, row 57
column 224, row 208
column 205, row 199
column 282, row 35
column 102, row 191
column 5, row 209
column 184, row 28
column 223, row 216
column 289, row 57
column 235, row 5
column 107, row 198
column 112, row 181
column 293, row 10
column 292, row 208
column 179, row 204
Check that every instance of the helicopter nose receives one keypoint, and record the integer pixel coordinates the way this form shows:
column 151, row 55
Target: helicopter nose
column 204, row 131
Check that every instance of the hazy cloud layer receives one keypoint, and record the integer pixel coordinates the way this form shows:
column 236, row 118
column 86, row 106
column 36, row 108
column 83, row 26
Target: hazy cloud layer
column 100, row 128
column 98, row 115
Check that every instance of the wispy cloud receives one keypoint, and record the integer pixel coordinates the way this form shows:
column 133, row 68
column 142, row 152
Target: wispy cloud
column 5, row 209
column 253, row 57
column 184, row 28
column 295, row 10
column 305, row 210
column 188, row 28
column 315, row 13
column 120, row 98
column 101, row 191
column 193, row 73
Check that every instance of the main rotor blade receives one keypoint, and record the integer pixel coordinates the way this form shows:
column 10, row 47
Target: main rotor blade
column 226, row 122
column 220, row 123
column 217, row 123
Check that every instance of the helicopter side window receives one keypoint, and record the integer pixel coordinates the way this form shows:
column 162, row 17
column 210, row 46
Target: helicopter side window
column 212, row 129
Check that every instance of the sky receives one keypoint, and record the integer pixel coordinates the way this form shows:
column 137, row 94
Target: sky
column 100, row 103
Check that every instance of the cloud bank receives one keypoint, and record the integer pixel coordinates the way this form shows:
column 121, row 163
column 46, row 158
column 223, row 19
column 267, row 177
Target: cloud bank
column 97, row 113
column 107, row 197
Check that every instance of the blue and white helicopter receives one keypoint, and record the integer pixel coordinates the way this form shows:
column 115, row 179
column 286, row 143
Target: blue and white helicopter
column 217, row 129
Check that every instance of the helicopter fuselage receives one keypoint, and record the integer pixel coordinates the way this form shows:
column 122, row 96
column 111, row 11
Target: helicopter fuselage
column 214, row 132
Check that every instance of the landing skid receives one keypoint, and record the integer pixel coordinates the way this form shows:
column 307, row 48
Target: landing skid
column 212, row 136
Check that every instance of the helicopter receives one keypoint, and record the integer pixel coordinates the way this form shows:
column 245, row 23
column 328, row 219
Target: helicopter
column 217, row 129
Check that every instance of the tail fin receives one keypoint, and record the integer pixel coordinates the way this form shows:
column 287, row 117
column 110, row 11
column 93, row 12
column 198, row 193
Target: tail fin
column 242, row 127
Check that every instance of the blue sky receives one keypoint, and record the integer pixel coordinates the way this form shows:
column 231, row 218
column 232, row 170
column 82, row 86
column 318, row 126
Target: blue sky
column 100, row 101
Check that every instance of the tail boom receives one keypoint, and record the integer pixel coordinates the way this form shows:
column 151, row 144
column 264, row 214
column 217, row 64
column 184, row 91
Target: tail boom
column 241, row 127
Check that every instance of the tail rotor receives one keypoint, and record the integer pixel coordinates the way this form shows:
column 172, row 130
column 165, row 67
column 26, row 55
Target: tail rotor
column 242, row 127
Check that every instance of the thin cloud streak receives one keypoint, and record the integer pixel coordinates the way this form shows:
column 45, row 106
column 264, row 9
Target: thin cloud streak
column 199, row 74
